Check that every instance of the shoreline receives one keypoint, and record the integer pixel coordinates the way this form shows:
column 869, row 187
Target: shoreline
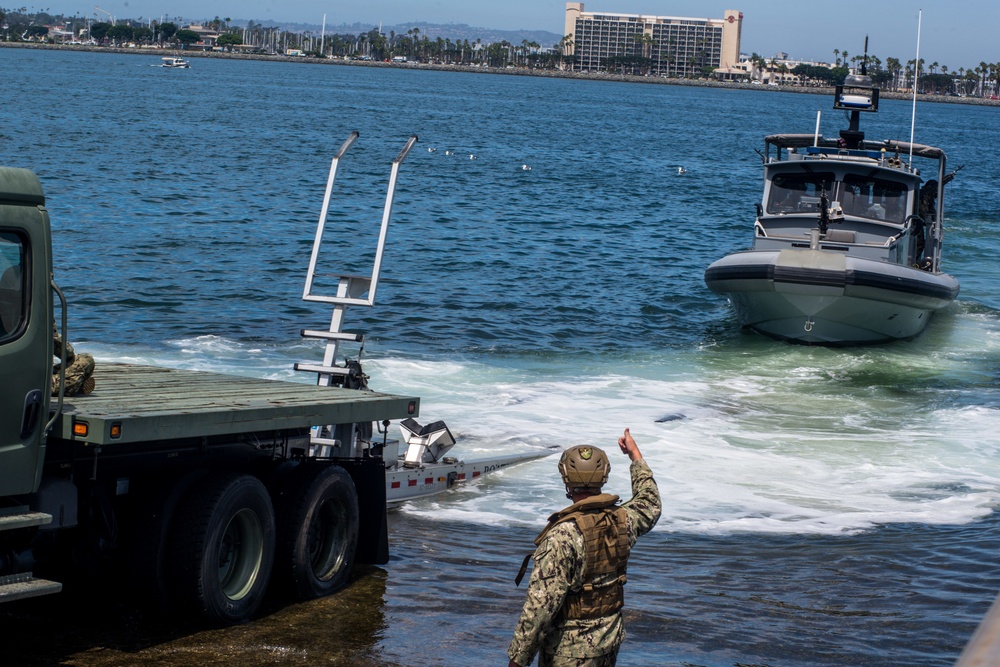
column 475, row 69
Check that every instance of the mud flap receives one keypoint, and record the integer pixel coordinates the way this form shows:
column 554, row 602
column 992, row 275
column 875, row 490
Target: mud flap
column 368, row 475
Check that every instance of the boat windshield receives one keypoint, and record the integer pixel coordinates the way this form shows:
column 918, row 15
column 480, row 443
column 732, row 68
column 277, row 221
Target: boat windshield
column 874, row 198
column 798, row 192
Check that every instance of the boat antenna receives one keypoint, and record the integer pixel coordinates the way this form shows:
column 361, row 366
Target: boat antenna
column 855, row 94
column 916, row 78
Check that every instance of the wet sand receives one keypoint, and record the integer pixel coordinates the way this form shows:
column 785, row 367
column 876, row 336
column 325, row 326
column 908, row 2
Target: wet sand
column 87, row 628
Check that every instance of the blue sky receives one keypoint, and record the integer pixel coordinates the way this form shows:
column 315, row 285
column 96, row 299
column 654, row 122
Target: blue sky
column 959, row 33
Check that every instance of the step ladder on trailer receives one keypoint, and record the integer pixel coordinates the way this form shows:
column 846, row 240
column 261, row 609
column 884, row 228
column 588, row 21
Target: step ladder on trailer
column 351, row 290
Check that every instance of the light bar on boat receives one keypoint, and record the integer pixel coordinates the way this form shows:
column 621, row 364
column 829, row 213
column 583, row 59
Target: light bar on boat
column 856, row 94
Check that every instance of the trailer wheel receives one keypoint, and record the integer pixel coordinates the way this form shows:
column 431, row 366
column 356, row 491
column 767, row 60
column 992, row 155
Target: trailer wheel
column 317, row 530
column 222, row 548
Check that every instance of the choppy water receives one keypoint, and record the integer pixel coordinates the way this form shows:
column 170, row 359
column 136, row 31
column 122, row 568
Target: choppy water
column 822, row 507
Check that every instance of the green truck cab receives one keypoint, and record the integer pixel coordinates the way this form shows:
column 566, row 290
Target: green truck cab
column 25, row 330
column 204, row 490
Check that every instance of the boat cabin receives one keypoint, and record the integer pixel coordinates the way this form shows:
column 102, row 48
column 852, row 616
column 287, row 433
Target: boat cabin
column 876, row 204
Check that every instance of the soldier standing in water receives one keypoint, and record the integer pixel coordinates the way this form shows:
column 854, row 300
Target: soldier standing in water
column 572, row 616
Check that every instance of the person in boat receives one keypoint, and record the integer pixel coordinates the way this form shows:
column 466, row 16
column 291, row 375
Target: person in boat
column 572, row 614
column 79, row 368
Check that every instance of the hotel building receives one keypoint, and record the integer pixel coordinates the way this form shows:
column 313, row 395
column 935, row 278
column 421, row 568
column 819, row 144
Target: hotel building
column 674, row 46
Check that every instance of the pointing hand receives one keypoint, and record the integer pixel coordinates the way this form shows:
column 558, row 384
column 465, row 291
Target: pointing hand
column 628, row 446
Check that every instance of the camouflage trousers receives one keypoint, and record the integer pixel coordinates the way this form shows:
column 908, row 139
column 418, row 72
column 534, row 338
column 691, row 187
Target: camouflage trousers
column 79, row 374
column 606, row 660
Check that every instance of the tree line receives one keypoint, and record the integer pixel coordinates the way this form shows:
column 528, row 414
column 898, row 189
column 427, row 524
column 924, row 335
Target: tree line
column 18, row 25
column 895, row 75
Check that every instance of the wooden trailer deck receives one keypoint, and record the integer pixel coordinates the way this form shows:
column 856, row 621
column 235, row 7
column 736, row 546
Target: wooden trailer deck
column 152, row 403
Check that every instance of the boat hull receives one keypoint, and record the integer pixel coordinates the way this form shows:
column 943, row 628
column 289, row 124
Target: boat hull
column 816, row 297
column 405, row 482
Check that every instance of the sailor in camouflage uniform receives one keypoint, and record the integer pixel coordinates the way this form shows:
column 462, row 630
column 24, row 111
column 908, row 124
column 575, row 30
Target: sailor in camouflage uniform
column 79, row 368
column 572, row 616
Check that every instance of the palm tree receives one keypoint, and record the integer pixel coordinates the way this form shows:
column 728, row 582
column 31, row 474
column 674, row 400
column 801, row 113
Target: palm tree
column 565, row 47
column 893, row 66
column 836, row 57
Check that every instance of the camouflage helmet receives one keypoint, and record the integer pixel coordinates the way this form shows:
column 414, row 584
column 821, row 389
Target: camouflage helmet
column 584, row 466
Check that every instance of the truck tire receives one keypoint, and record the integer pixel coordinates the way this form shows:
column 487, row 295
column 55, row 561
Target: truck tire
column 153, row 509
column 222, row 548
column 317, row 514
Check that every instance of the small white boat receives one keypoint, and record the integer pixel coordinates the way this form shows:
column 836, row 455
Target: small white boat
column 847, row 241
column 176, row 63
column 424, row 470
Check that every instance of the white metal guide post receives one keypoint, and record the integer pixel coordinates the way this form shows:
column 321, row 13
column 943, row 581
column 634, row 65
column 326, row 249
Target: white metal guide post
column 351, row 290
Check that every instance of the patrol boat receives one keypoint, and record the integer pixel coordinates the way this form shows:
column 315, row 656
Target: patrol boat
column 847, row 240
column 423, row 467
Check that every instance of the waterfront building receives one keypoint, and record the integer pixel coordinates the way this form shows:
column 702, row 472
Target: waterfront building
column 206, row 36
column 656, row 45
column 776, row 71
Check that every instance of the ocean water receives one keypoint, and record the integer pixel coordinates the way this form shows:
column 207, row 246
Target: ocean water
column 821, row 507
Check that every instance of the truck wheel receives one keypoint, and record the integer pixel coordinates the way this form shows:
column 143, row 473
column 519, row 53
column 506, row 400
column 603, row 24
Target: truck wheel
column 317, row 530
column 223, row 548
column 154, row 505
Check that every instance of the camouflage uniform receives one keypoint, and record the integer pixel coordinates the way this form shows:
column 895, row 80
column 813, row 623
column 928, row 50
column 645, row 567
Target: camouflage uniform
column 558, row 569
column 79, row 370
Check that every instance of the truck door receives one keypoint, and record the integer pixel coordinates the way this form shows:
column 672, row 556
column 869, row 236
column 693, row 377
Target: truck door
column 25, row 330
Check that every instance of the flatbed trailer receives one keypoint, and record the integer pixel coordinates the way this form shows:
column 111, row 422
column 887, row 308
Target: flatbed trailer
column 136, row 477
column 139, row 404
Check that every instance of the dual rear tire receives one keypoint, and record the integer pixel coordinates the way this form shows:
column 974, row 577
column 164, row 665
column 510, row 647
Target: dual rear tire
column 317, row 531
column 222, row 548
column 227, row 537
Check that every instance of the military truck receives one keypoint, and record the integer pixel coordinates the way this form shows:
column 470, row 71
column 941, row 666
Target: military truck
column 198, row 490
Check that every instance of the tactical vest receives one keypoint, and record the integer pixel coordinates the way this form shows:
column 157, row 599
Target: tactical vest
column 604, row 526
